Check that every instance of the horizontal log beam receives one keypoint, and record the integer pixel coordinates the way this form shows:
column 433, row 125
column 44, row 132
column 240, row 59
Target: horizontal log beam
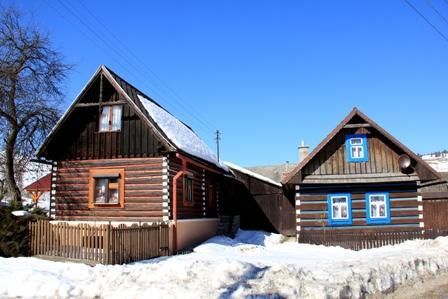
column 352, row 126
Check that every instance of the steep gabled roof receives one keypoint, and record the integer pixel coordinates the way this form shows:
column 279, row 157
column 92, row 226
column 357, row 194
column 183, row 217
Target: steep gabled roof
column 423, row 167
column 165, row 126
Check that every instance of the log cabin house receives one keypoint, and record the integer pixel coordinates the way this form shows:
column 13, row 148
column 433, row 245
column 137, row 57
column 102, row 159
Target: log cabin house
column 361, row 179
column 117, row 156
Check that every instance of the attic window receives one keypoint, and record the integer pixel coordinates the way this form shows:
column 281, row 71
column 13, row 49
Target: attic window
column 356, row 146
column 110, row 119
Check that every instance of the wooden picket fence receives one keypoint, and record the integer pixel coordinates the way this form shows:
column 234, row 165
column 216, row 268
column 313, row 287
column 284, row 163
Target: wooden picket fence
column 365, row 240
column 103, row 244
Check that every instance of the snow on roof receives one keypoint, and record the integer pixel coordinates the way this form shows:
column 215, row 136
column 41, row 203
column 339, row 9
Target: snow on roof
column 251, row 173
column 182, row 136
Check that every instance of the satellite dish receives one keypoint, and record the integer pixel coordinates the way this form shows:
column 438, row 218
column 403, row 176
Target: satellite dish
column 405, row 162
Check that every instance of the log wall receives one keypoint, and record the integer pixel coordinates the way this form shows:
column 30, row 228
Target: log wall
column 406, row 208
column 202, row 206
column 143, row 194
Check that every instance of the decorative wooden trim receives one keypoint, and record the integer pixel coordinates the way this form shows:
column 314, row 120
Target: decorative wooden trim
column 104, row 171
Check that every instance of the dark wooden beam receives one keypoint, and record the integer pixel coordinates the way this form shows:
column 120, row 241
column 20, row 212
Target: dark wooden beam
column 83, row 105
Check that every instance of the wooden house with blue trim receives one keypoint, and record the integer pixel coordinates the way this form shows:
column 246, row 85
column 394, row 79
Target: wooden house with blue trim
column 361, row 179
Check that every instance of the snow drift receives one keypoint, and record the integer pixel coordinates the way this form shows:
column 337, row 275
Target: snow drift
column 252, row 264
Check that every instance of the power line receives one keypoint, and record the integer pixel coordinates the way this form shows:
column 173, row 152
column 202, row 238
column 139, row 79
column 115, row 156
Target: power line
column 427, row 21
column 122, row 55
column 98, row 36
column 141, row 62
column 436, row 11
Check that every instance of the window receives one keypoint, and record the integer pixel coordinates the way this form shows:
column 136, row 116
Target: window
column 378, row 208
column 106, row 187
column 110, row 119
column 188, row 188
column 211, row 194
column 339, row 209
column 356, row 146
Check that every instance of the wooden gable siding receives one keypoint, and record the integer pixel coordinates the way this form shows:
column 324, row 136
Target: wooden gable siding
column 143, row 191
column 311, row 202
column 332, row 159
column 200, row 208
column 81, row 140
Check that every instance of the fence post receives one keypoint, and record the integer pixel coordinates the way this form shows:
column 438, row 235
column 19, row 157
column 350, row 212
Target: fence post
column 107, row 245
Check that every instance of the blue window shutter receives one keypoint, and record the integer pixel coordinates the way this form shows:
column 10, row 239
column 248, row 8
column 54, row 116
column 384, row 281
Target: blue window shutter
column 348, row 148
column 371, row 220
column 333, row 222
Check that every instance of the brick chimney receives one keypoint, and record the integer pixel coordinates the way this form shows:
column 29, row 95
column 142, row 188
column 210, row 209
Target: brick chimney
column 303, row 150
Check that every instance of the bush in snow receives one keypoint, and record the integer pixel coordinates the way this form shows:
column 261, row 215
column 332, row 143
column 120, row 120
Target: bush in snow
column 14, row 232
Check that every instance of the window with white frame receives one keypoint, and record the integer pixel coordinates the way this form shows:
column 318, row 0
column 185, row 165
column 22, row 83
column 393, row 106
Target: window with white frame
column 110, row 119
column 378, row 209
column 356, row 146
column 339, row 207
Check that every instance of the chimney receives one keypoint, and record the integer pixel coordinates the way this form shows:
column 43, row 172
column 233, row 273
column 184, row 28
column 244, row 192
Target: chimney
column 303, row 150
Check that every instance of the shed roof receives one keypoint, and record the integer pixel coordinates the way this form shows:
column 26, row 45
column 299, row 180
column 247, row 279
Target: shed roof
column 234, row 167
column 275, row 172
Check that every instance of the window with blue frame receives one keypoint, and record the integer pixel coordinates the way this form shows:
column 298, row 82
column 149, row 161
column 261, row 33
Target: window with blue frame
column 356, row 146
column 378, row 207
column 339, row 209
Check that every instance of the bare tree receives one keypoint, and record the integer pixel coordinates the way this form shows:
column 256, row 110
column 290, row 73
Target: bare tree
column 31, row 74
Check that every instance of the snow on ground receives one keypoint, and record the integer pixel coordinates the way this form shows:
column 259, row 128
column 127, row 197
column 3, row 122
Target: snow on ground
column 252, row 264
column 182, row 136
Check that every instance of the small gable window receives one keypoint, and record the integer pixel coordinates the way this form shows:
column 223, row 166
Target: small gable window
column 110, row 119
column 339, row 209
column 378, row 208
column 356, row 146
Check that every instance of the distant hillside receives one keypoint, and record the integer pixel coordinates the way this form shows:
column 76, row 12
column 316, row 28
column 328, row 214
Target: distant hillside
column 438, row 160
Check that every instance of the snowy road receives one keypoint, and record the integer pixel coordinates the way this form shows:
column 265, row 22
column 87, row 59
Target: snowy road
column 252, row 264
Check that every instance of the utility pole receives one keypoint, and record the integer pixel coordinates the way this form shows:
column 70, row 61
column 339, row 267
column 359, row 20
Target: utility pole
column 217, row 138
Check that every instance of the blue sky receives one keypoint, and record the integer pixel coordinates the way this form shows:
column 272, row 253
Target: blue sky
column 266, row 73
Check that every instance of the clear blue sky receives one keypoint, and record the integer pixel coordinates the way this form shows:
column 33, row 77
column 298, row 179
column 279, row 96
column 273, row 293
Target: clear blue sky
column 267, row 73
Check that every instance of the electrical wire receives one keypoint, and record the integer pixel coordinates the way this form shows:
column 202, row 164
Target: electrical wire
column 436, row 11
column 141, row 62
column 108, row 47
column 427, row 20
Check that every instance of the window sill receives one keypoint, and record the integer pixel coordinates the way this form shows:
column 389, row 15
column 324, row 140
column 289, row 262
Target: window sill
column 340, row 222
column 378, row 221
column 188, row 204
column 108, row 205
